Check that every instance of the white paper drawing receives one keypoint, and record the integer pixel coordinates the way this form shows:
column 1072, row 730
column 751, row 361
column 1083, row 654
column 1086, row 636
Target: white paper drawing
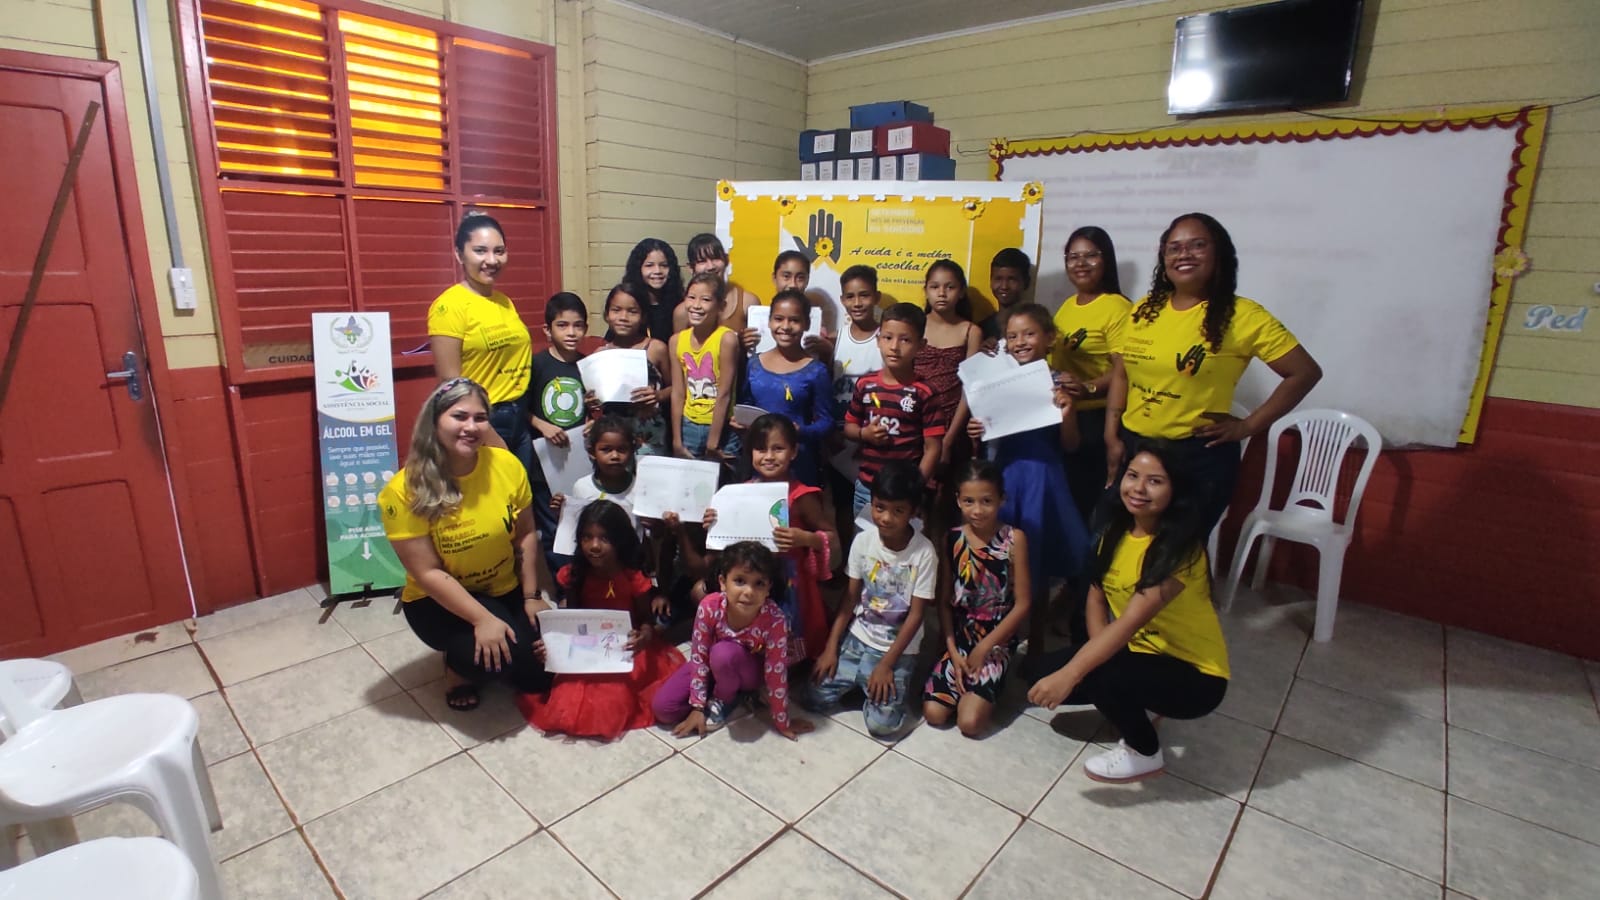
column 566, row 537
column 563, row 466
column 614, row 375
column 748, row 512
column 1021, row 400
column 586, row 641
column 667, row 484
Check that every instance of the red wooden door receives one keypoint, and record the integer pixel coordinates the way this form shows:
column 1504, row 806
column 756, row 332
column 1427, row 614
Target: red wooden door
column 88, row 538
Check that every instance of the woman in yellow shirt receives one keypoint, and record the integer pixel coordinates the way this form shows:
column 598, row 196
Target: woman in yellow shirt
column 459, row 521
column 1182, row 353
column 476, row 331
column 1154, row 640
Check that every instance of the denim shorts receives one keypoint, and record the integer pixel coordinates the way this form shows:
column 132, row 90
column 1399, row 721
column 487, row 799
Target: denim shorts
column 696, row 435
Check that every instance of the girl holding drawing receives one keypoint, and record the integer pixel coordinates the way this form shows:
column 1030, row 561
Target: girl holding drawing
column 472, row 578
column 606, row 574
column 706, row 359
column 1193, row 315
column 791, row 382
column 626, row 330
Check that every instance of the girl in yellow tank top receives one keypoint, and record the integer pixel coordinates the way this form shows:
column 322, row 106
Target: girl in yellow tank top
column 705, row 363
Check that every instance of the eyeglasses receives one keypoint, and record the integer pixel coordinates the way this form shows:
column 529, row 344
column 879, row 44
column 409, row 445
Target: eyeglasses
column 1194, row 245
column 1073, row 258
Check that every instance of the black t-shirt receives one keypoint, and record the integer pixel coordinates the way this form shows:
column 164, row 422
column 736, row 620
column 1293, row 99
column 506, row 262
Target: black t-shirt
column 555, row 393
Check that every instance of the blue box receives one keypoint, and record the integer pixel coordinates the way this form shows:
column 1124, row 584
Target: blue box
column 926, row 167
column 816, row 146
column 871, row 115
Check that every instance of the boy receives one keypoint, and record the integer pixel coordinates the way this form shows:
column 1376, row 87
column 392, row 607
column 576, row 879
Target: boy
column 857, row 351
column 873, row 645
column 1010, row 276
column 886, row 411
column 555, row 395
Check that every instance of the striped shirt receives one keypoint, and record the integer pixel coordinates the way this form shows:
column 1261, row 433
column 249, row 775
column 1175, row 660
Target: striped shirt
column 900, row 407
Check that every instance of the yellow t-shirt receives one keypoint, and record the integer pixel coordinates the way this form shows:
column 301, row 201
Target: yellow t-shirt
column 496, row 350
column 1084, row 338
column 1187, row 628
column 475, row 543
column 701, row 369
column 1173, row 377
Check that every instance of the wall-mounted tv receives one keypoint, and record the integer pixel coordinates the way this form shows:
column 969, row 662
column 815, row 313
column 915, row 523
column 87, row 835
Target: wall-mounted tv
column 1276, row 55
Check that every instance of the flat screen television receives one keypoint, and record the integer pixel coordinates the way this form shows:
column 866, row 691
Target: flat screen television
column 1276, row 55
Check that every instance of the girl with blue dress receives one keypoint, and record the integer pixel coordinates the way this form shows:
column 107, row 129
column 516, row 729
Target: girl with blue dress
column 790, row 382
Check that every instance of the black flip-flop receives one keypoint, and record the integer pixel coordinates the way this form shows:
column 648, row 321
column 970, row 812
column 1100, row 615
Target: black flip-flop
column 462, row 698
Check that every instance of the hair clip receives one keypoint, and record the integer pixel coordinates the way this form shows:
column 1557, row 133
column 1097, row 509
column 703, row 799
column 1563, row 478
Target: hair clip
column 452, row 383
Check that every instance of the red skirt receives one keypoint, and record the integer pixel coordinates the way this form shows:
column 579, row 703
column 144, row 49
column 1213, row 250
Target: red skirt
column 603, row 706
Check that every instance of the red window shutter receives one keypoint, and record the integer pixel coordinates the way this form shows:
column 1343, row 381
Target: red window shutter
column 403, row 250
column 530, row 275
column 393, row 78
column 501, row 101
column 289, row 259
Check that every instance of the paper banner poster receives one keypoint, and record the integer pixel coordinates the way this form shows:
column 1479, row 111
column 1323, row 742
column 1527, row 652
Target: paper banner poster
column 899, row 228
column 355, row 437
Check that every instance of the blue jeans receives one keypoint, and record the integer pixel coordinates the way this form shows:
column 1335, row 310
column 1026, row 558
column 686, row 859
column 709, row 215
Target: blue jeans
column 695, row 437
column 856, row 662
column 862, row 497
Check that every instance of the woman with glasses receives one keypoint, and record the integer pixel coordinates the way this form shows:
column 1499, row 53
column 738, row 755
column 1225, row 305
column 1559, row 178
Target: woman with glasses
column 1088, row 324
column 1182, row 353
column 458, row 519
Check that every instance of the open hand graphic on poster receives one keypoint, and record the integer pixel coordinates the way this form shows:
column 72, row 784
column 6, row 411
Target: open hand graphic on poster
column 825, row 239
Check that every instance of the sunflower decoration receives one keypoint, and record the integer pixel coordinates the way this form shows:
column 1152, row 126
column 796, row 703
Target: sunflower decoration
column 786, row 205
column 725, row 190
column 1033, row 192
column 974, row 209
column 1510, row 262
column 999, row 148
column 824, row 247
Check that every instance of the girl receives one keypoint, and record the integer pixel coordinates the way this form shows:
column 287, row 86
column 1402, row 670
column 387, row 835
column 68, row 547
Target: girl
column 809, row 542
column 740, row 641
column 611, row 444
column 1038, row 501
column 986, row 587
column 789, row 381
column 605, row 575
column 949, row 339
column 1193, row 315
column 626, row 330
column 1154, row 640
column 654, row 266
column 706, row 254
column 706, row 357
column 1090, row 323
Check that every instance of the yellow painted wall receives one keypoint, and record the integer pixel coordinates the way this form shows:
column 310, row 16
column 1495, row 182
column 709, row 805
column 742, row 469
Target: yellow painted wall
column 1108, row 71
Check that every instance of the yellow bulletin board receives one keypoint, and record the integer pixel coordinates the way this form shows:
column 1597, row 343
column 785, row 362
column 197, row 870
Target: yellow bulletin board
column 899, row 228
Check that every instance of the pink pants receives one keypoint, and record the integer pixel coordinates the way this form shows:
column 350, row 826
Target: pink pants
column 733, row 669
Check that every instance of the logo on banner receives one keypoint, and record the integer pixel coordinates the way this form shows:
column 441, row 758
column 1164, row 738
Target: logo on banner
column 358, row 379
column 351, row 335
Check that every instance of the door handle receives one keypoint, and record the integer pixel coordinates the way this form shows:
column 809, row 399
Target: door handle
column 129, row 373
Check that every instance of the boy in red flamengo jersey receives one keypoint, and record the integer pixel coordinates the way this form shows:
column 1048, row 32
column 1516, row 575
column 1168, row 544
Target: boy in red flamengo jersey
column 886, row 412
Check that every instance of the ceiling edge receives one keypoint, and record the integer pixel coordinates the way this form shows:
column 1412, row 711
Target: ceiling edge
column 711, row 31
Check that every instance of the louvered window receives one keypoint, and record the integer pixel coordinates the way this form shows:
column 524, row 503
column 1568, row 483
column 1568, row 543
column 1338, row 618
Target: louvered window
column 348, row 140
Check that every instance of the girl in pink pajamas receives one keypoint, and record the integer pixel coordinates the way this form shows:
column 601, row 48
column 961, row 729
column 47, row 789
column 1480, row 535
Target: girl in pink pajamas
column 740, row 644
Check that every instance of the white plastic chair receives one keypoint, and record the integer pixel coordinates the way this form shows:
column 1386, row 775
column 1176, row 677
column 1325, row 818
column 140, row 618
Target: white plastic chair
column 135, row 748
column 143, row 868
column 1212, row 543
column 1326, row 436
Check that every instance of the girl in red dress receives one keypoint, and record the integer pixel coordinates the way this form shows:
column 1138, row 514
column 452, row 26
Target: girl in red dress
column 606, row 575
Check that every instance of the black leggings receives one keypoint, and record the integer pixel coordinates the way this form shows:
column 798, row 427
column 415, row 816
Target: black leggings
column 1128, row 684
column 445, row 631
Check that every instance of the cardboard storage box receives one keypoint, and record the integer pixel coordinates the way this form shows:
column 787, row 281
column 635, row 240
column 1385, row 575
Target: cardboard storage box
column 888, row 168
column 912, row 137
column 816, row 146
column 871, row 115
column 924, row 167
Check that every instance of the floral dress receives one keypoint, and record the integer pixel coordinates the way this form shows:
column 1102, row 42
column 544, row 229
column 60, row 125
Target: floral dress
column 981, row 594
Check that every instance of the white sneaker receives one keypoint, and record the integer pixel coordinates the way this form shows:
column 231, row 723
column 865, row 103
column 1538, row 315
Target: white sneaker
column 1122, row 764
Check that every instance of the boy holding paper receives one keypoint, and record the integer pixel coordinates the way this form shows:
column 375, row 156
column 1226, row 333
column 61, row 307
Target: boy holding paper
column 555, row 396
column 887, row 411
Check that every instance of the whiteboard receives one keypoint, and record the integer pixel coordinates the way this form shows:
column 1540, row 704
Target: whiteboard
column 1375, row 249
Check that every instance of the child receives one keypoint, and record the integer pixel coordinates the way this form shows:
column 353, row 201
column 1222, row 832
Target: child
column 555, row 395
column 789, row 381
column 950, row 338
column 857, row 351
column 985, row 585
column 654, row 267
column 791, row 271
column 892, row 572
column 706, row 357
column 605, row 575
column 1154, row 641
column 740, row 641
column 888, row 414
column 1039, row 501
column 626, row 330
column 611, row 444
column 706, row 254
column 1010, row 275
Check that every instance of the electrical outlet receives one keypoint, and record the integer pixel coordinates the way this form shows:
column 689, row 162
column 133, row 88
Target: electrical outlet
column 183, row 293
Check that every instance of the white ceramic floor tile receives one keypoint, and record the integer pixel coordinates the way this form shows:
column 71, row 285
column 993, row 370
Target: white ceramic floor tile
column 1557, row 794
column 879, row 823
column 1524, row 695
column 1384, row 656
column 1269, row 859
column 695, row 828
column 414, row 836
column 511, row 874
column 252, row 812
column 1215, row 751
column 244, row 615
column 120, row 649
column 794, row 868
column 1258, row 686
column 1165, row 828
column 280, row 703
column 1274, row 629
column 1383, row 736
column 787, row 777
column 552, row 776
column 1037, row 862
column 1394, row 819
column 177, row 671
column 496, row 715
column 370, row 618
column 404, row 656
column 344, row 759
column 1013, row 765
column 278, row 644
column 1494, row 855
column 220, row 736
column 278, row 869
